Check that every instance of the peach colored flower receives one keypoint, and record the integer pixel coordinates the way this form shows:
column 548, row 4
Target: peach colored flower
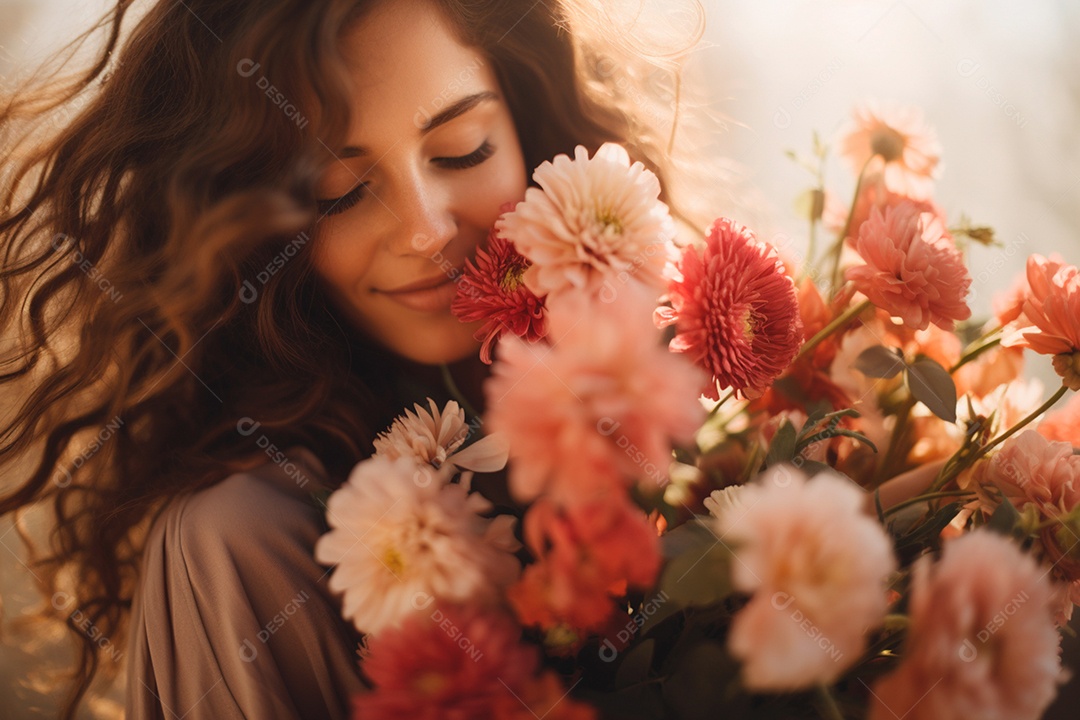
column 591, row 219
column 1030, row 470
column 907, row 148
column 912, row 268
column 599, row 406
column 399, row 530
column 1052, row 308
column 1063, row 425
column 433, row 438
column 989, row 371
column 492, row 290
column 816, row 565
column 588, row 553
column 874, row 194
column 981, row 643
column 734, row 309
column 460, row 662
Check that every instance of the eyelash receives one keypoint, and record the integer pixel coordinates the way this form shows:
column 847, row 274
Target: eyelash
column 334, row 206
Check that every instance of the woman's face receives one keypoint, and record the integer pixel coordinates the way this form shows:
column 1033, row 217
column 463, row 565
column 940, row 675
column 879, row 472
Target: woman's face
column 432, row 154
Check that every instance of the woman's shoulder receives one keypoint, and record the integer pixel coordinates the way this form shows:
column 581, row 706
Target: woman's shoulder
column 230, row 590
column 253, row 511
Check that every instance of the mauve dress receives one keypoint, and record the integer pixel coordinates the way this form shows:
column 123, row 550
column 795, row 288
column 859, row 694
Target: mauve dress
column 233, row 617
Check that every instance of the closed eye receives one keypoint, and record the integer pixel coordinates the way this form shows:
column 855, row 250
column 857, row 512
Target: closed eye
column 473, row 159
column 337, row 205
column 333, row 206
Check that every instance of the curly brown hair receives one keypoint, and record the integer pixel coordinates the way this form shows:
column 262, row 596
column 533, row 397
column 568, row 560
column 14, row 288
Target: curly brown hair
column 156, row 281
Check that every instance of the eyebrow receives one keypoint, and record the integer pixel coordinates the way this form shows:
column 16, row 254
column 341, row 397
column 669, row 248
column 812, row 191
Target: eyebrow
column 459, row 107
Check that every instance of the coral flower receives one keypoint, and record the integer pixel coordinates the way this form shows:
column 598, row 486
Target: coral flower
column 816, row 565
column 913, row 270
column 590, row 220
column 599, row 407
column 433, row 438
column 1052, row 308
column 907, row 148
column 735, row 310
column 587, row 553
column 397, row 533
column 455, row 662
column 982, row 642
column 492, row 290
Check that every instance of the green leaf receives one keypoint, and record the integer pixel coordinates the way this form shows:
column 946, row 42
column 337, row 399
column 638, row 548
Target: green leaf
column 879, row 362
column 1004, row 518
column 699, row 573
column 635, row 664
column 932, row 385
column 696, row 688
column 782, row 447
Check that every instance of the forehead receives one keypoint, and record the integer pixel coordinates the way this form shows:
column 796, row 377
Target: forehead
column 407, row 63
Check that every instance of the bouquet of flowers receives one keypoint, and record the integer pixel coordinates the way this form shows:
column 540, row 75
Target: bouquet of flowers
column 750, row 485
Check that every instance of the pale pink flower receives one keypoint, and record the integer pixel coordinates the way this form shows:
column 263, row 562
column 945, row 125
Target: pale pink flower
column 600, row 406
column 591, row 220
column 981, row 642
column 735, row 310
column 400, row 531
column 907, row 148
column 460, row 663
column 1052, row 309
column 1030, row 470
column 817, row 566
column 912, row 269
column 432, row 437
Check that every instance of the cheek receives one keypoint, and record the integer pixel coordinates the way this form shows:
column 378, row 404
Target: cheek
column 341, row 260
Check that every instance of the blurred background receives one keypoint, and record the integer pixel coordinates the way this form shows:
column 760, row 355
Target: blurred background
column 1000, row 82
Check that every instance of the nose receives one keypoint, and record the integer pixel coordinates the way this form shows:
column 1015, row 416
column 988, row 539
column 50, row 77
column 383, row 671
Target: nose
column 427, row 222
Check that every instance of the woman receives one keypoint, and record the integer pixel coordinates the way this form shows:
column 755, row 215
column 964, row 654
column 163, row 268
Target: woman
column 253, row 213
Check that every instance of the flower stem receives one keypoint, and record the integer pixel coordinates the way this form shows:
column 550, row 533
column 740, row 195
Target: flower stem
column 977, row 348
column 832, row 327
column 452, row 387
column 828, row 708
column 724, row 399
column 896, row 439
column 838, row 249
column 924, row 497
column 1016, row 428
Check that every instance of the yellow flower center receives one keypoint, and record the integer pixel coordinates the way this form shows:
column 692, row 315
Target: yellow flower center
column 511, row 280
column 887, row 143
column 609, row 220
column 393, row 560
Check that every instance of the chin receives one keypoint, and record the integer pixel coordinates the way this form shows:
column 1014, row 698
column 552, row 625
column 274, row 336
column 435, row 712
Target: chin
column 436, row 346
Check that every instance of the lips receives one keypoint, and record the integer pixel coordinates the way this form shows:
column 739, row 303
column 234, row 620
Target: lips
column 430, row 295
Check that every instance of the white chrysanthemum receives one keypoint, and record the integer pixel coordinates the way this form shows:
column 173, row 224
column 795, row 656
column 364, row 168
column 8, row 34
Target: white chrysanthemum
column 593, row 219
column 401, row 534
column 719, row 501
column 433, row 438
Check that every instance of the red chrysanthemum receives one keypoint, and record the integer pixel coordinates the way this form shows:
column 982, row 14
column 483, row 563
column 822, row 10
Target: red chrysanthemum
column 492, row 290
column 735, row 310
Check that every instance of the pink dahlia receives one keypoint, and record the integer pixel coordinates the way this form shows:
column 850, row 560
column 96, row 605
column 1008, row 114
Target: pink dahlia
column 906, row 147
column 591, row 218
column 981, row 643
column 492, row 290
column 817, row 566
column 913, row 270
column 598, row 407
column 735, row 310
column 453, row 662
column 1052, row 311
